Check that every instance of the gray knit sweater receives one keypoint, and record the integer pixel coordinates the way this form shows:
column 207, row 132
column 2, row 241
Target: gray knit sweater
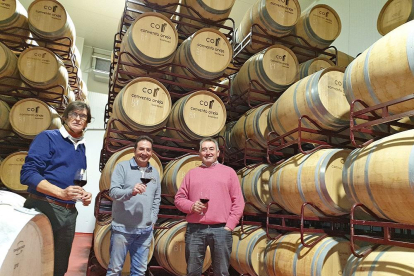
column 134, row 212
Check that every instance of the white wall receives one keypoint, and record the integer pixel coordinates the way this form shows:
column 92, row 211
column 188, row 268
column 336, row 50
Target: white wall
column 98, row 97
column 359, row 20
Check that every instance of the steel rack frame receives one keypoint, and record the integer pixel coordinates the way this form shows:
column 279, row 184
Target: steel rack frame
column 388, row 232
column 372, row 116
column 276, row 142
column 241, row 53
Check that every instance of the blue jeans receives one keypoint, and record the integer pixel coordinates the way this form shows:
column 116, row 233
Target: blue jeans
column 197, row 238
column 138, row 246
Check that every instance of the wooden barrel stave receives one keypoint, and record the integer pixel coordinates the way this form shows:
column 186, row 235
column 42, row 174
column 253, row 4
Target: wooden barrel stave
column 319, row 96
column 5, row 127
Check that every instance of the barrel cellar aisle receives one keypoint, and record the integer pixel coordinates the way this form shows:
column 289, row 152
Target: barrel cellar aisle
column 322, row 141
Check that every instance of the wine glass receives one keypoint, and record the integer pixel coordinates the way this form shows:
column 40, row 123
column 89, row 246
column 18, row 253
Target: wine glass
column 204, row 197
column 80, row 180
column 144, row 179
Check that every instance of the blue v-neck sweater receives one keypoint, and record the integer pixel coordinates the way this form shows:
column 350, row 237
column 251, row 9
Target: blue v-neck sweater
column 54, row 158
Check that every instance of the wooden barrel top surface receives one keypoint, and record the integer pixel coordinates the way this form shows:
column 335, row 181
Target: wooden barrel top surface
column 284, row 15
column 38, row 64
column 4, row 116
column 146, row 102
column 325, row 22
column 204, row 113
column 154, row 35
column 7, row 9
column 47, row 15
column 30, row 116
column 330, row 87
column 393, row 14
column 216, row 6
column 26, row 243
column 280, row 65
column 211, row 50
column 10, row 171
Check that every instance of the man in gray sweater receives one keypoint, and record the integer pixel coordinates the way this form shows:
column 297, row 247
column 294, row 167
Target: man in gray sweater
column 134, row 209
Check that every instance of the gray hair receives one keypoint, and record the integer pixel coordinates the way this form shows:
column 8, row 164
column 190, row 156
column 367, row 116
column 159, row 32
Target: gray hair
column 209, row 139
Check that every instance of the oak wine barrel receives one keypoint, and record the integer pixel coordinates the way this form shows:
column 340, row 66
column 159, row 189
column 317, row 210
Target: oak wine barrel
column 198, row 115
column 49, row 19
column 151, row 39
column 287, row 256
column 275, row 68
column 255, row 186
column 5, row 127
column 216, row 11
column 10, row 169
column 277, row 18
column 384, row 260
column 314, row 178
column 319, row 25
column 41, row 68
column 175, row 172
column 320, row 96
column 227, row 140
column 314, row 65
column 253, row 124
column 31, row 116
column 101, row 246
column 393, row 14
column 123, row 155
column 367, row 79
column 13, row 18
column 144, row 104
column 26, row 243
column 207, row 53
column 8, row 68
column 150, row 6
column 247, row 255
column 170, row 248
column 381, row 175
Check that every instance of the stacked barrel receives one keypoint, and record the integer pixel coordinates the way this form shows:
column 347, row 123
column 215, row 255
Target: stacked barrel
column 161, row 85
column 165, row 83
column 39, row 66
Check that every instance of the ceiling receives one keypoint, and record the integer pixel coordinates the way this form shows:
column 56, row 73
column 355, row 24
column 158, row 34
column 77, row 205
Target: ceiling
column 97, row 20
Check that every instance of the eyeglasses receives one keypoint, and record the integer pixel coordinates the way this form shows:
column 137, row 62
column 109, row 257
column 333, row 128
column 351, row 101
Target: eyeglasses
column 74, row 115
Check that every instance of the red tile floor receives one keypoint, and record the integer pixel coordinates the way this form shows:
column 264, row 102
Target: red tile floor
column 78, row 261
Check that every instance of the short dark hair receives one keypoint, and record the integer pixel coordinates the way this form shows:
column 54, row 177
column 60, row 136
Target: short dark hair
column 143, row 138
column 77, row 105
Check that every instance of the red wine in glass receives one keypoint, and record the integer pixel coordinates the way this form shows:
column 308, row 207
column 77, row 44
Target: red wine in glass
column 204, row 197
column 145, row 181
column 204, row 200
column 80, row 180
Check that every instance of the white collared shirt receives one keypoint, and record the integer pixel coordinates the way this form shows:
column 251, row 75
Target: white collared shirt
column 212, row 164
column 76, row 141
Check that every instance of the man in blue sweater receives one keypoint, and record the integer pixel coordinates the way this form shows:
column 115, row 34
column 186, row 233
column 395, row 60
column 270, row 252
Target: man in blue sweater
column 53, row 159
column 134, row 209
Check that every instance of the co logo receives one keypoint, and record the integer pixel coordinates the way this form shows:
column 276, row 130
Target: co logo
column 50, row 8
column 158, row 26
column 151, row 91
column 21, row 159
column 33, row 109
column 324, row 13
column 213, row 41
column 206, row 103
column 40, row 55
column 337, row 82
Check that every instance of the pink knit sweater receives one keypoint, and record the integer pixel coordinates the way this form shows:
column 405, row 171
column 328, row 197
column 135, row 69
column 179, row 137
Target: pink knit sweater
column 226, row 199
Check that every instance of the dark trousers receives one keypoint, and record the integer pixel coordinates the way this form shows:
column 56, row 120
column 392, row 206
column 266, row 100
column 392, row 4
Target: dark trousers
column 63, row 225
column 197, row 238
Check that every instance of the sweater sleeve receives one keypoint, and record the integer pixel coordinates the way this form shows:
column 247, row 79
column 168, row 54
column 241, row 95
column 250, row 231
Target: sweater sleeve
column 117, row 191
column 181, row 198
column 36, row 161
column 156, row 203
column 237, row 201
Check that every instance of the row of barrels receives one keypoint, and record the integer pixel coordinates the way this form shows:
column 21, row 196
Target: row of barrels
column 49, row 21
column 331, row 179
column 254, row 254
column 46, row 19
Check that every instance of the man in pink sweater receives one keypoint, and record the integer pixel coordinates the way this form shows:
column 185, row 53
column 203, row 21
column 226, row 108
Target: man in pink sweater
column 210, row 224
